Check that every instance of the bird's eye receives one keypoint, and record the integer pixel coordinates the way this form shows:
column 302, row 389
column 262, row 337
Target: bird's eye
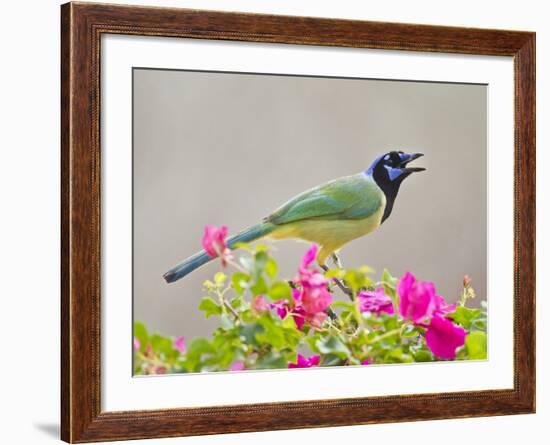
column 395, row 158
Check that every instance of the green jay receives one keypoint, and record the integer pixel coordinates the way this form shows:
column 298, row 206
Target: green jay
column 330, row 215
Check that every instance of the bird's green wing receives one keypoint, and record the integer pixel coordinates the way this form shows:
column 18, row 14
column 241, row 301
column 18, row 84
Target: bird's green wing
column 350, row 197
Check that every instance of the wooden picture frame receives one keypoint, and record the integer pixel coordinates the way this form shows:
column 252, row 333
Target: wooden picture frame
column 82, row 25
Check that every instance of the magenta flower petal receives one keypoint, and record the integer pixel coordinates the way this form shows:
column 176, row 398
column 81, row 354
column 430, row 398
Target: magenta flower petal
column 442, row 307
column 314, row 360
column 260, row 304
column 299, row 316
column 137, row 345
column 375, row 301
column 314, row 296
column 366, row 362
column 213, row 240
column 317, row 320
column 179, row 344
column 416, row 298
column 443, row 337
column 237, row 366
column 305, row 362
column 316, row 299
column 309, row 257
column 281, row 307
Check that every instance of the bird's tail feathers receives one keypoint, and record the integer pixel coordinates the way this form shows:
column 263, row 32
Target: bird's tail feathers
column 251, row 234
column 187, row 266
column 200, row 258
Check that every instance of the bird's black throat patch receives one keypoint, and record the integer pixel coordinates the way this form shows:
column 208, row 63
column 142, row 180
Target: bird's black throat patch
column 389, row 187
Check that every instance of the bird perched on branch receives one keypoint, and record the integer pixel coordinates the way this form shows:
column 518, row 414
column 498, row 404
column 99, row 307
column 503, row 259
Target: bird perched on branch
column 330, row 215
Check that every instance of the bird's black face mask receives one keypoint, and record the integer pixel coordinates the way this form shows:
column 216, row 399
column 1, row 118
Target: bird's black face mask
column 389, row 171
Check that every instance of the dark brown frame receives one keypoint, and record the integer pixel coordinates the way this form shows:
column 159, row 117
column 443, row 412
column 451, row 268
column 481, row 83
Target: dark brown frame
column 82, row 25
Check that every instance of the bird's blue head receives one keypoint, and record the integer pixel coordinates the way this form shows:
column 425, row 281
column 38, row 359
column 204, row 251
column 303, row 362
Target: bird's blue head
column 389, row 171
column 392, row 167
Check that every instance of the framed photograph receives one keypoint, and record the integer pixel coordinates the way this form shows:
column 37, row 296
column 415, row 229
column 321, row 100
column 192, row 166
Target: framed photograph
column 274, row 222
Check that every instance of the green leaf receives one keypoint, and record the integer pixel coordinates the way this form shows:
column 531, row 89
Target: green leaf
column 280, row 290
column 260, row 261
column 332, row 345
column 237, row 302
column 355, row 279
column 335, row 273
column 247, row 263
column 331, row 360
column 272, row 333
column 389, row 283
column 248, row 333
column 423, row 355
column 198, row 348
column 409, row 331
column 272, row 360
column 226, row 322
column 289, row 323
column 344, row 305
column 239, row 281
column 241, row 245
column 261, row 247
column 259, row 287
column 465, row 316
column 140, row 332
column 210, row 307
column 220, row 279
column 271, row 268
column 164, row 347
column 476, row 345
column 312, row 342
column 388, row 278
column 391, row 322
column 398, row 356
column 209, row 285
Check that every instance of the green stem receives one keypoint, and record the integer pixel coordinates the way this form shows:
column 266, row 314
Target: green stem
column 226, row 305
column 385, row 335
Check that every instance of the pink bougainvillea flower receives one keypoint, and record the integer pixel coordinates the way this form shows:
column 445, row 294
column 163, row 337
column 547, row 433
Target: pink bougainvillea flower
column 137, row 344
column 315, row 296
column 213, row 241
column 417, row 300
column 317, row 320
column 442, row 308
column 366, row 362
column 179, row 344
column 299, row 316
column 316, row 299
column 283, row 308
column 375, row 301
column 260, row 304
column 237, row 366
column 309, row 257
column 305, row 362
column 311, row 300
column 160, row 369
column 443, row 337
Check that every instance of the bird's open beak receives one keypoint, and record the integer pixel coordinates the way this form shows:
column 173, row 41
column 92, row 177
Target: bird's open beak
column 410, row 158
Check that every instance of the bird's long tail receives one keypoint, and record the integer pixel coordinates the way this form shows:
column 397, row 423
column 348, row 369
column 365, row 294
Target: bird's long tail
column 200, row 258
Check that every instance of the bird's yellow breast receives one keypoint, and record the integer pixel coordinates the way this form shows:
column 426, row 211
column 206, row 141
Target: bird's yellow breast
column 330, row 234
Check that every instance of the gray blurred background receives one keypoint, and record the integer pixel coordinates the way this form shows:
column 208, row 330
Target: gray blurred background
column 217, row 148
